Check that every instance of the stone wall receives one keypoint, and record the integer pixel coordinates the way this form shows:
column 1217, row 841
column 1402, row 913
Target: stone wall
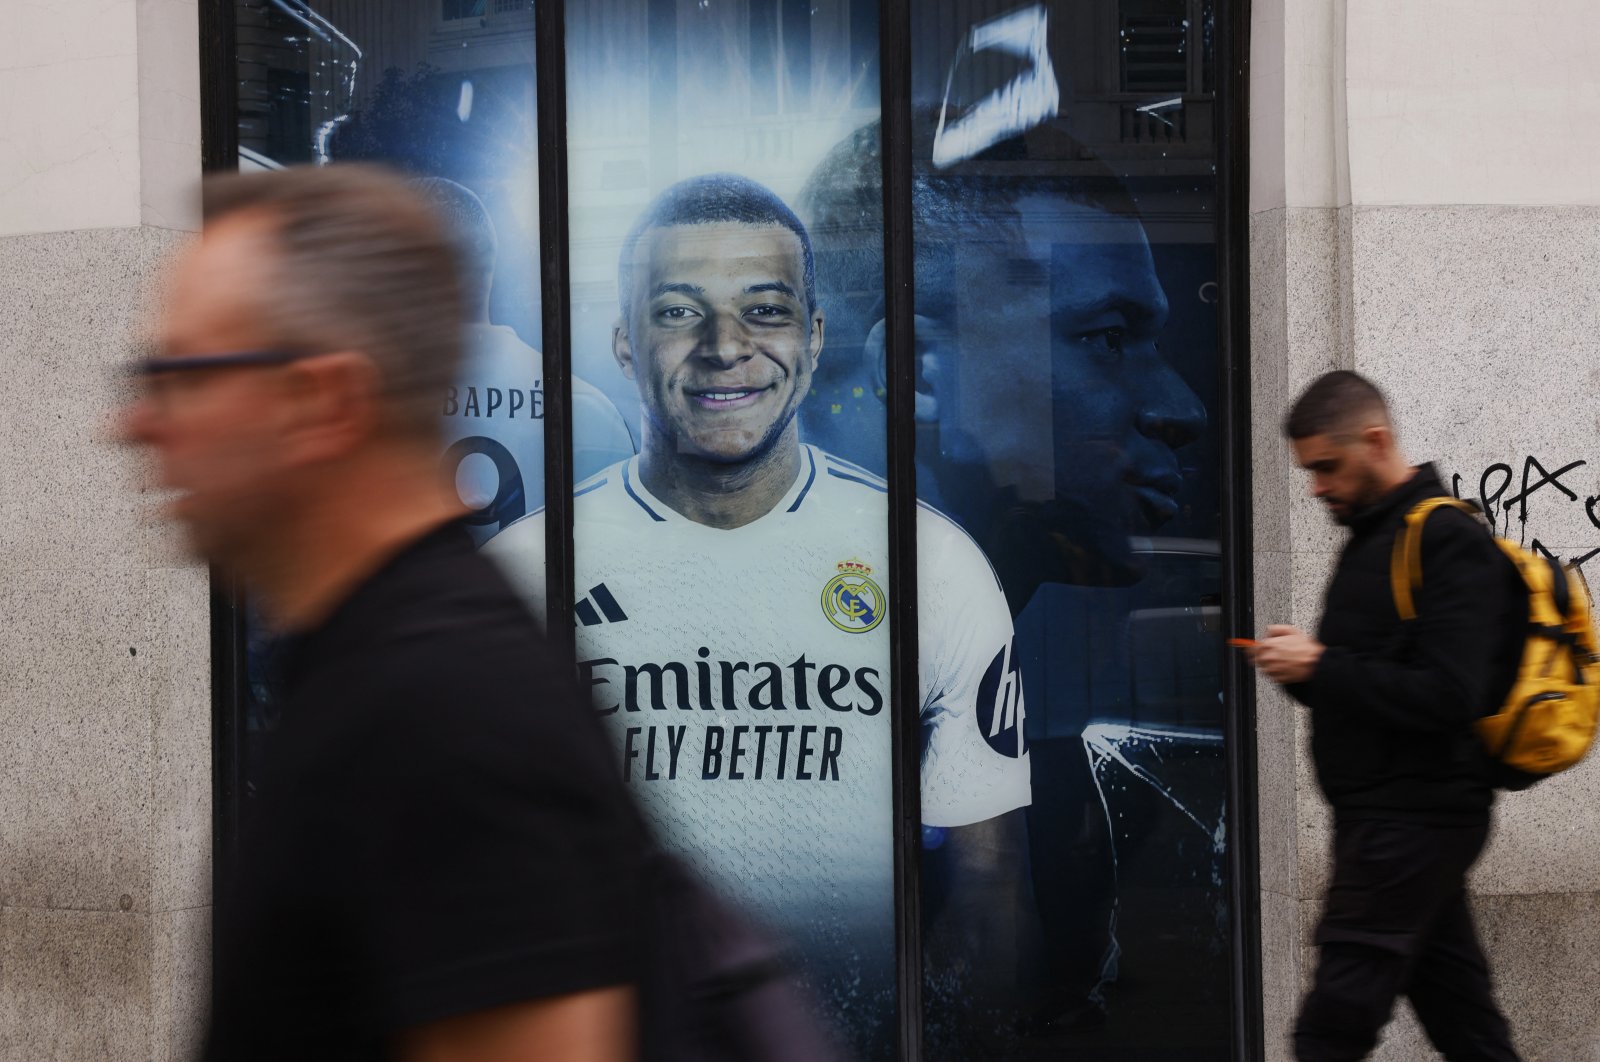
column 1424, row 211
column 105, row 758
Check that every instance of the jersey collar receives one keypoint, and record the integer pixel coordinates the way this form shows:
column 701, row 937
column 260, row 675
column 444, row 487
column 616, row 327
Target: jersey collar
column 658, row 511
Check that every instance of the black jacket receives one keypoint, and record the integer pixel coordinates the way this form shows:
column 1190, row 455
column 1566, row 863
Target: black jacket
column 1392, row 704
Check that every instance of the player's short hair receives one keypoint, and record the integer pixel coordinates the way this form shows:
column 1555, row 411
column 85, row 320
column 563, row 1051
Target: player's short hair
column 1337, row 403
column 972, row 200
column 362, row 262
column 708, row 200
column 469, row 221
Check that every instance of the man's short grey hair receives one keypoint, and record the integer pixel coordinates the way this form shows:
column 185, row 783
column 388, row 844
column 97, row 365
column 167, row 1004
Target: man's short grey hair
column 362, row 262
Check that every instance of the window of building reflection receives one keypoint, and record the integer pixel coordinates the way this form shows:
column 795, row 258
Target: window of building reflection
column 449, row 100
column 729, row 350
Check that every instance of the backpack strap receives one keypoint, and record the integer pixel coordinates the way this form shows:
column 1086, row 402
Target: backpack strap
column 1560, row 588
column 1405, row 562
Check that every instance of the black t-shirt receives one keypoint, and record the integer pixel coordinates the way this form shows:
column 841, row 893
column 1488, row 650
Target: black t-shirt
column 440, row 828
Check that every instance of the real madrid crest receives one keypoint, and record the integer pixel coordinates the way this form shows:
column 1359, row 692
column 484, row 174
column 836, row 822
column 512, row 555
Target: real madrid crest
column 851, row 600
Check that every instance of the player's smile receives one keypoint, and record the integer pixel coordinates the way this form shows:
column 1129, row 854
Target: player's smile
column 727, row 399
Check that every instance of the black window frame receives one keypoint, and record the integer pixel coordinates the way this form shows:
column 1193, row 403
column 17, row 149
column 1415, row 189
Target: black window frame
column 219, row 152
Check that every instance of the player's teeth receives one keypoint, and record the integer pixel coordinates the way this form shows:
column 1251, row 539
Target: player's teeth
column 727, row 397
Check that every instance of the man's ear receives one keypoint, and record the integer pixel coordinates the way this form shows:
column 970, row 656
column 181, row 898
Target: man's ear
column 1379, row 438
column 622, row 347
column 334, row 404
column 930, row 343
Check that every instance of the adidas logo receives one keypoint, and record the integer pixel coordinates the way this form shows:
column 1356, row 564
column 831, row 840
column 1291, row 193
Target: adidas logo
column 598, row 607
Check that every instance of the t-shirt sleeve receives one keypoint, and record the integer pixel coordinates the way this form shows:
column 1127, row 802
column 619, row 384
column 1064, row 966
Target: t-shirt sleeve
column 974, row 756
column 499, row 862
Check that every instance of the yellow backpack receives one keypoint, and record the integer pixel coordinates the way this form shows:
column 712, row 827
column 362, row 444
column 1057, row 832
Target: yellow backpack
column 1548, row 721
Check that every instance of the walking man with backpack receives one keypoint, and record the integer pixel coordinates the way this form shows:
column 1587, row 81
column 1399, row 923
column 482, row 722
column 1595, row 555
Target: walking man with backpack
column 1393, row 705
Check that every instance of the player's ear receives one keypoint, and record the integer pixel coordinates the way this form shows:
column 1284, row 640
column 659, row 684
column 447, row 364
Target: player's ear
column 818, row 320
column 874, row 354
column 622, row 347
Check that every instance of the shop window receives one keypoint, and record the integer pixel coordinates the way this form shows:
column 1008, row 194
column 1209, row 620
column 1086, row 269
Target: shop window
column 731, row 356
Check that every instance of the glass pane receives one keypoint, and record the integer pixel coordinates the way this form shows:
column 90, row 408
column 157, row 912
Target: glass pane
column 1154, row 43
column 732, row 579
column 342, row 80
column 1067, row 363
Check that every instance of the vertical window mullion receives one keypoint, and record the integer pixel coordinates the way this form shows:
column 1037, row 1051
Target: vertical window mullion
column 554, row 258
column 894, row 29
column 1233, row 324
column 219, row 152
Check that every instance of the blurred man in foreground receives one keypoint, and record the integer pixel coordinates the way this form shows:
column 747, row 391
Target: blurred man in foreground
column 443, row 858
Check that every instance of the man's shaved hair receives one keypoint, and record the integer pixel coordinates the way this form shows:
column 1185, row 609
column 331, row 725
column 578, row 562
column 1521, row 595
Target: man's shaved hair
column 708, row 200
column 360, row 261
column 1338, row 403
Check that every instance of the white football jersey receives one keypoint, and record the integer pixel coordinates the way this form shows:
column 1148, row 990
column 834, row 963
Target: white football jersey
column 493, row 429
column 745, row 675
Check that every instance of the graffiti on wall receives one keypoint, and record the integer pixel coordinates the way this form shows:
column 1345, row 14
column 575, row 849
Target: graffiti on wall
column 1506, row 492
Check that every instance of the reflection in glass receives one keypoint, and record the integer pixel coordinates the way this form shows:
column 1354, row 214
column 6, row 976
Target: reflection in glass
column 1065, row 354
column 333, row 81
column 733, row 579
column 452, row 102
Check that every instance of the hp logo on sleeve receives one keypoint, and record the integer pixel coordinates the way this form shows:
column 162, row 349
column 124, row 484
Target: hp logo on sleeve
column 1000, row 703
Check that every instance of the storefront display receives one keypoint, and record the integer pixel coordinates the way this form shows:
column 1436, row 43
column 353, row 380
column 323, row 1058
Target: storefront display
column 730, row 358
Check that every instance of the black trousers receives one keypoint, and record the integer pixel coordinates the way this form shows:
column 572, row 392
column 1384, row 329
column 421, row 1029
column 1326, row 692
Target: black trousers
column 1397, row 923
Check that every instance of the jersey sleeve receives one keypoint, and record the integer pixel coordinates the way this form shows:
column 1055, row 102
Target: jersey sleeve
column 974, row 756
column 600, row 436
column 518, row 551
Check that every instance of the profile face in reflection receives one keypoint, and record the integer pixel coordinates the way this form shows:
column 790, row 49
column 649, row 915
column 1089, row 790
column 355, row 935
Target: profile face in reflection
column 1049, row 420
column 1044, row 333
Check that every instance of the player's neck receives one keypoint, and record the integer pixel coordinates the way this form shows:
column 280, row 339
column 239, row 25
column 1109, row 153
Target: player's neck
column 717, row 494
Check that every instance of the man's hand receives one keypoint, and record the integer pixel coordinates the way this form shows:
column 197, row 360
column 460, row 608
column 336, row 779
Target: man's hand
column 1287, row 654
column 595, row 1026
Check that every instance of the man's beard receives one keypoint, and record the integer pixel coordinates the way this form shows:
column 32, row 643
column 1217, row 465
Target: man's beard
column 1369, row 493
